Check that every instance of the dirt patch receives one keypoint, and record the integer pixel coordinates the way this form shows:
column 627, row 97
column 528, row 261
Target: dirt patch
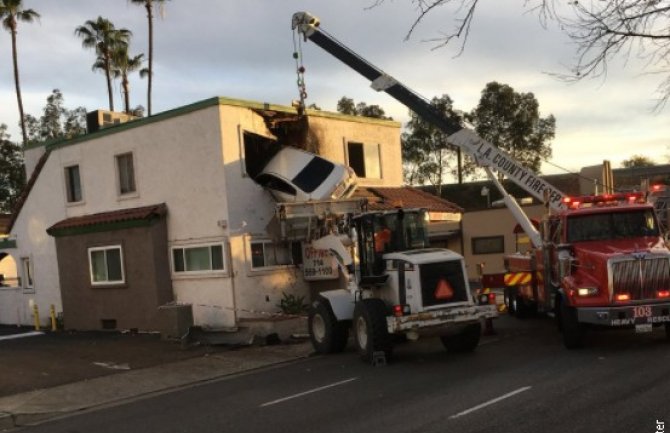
column 57, row 358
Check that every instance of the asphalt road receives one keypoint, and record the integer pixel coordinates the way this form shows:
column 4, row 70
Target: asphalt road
column 521, row 380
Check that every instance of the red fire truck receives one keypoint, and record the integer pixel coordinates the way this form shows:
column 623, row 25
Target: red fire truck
column 603, row 263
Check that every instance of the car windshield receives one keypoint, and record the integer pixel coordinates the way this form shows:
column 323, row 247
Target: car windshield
column 613, row 225
column 313, row 175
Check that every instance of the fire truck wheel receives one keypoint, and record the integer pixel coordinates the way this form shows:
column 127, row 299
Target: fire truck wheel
column 573, row 332
column 326, row 333
column 521, row 310
column 508, row 300
column 465, row 341
column 370, row 331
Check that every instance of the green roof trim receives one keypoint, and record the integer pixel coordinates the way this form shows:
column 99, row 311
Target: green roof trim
column 200, row 105
column 102, row 227
column 7, row 244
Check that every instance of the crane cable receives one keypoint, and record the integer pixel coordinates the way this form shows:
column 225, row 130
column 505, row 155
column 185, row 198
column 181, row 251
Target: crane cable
column 300, row 71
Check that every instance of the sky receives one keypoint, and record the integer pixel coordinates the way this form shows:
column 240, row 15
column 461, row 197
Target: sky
column 243, row 49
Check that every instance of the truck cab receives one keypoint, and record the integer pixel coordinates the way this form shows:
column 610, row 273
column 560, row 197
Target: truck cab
column 604, row 263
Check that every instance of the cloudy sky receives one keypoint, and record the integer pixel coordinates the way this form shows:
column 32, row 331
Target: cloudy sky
column 243, row 49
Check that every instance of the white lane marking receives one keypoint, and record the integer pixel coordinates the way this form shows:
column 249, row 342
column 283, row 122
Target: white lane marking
column 25, row 334
column 300, row 394
column 490, row 402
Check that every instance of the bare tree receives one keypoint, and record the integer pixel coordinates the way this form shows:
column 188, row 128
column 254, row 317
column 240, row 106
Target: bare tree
column 602, row 30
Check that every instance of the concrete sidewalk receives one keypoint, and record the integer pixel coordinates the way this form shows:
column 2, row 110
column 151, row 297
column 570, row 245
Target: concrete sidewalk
column 35, row 406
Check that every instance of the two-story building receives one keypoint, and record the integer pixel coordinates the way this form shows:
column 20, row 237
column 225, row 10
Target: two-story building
column 117, row 222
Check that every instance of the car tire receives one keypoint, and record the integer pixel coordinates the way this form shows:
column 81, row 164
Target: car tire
column 465, row 341
column 370, row 332
column 327, row 334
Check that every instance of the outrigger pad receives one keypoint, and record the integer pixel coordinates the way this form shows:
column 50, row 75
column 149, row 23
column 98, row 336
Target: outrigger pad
column 379, row 358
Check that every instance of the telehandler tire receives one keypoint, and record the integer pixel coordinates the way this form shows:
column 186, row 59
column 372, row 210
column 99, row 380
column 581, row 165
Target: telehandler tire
column 326, row 333
column 370, row 332
column 465, row 341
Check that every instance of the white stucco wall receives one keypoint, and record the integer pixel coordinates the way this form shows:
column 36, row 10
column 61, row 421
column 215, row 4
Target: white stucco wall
column 193, row 162
column 43, row 207
column 334, row 133
column 251, row 208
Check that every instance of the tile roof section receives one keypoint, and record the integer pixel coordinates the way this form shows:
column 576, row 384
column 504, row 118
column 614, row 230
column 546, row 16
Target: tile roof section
column 386, row 198
column 117, row 216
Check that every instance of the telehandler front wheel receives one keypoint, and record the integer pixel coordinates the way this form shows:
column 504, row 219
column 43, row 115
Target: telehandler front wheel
column 326, row 333
column 371, row 334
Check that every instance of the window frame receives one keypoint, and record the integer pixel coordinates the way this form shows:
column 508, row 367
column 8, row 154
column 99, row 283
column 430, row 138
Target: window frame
column 290, row 251
column 120, row 177
column 70, row 192
column 202, row 272
column 478, row 251
column 107, row 282
column 367, row 150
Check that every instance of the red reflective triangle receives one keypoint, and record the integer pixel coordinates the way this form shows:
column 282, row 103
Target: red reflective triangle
column 443, row 290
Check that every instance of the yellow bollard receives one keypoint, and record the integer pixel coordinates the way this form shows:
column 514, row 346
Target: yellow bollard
column 52, row 313
column 36, row 317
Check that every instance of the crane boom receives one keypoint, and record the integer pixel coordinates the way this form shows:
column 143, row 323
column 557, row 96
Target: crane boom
column 485, row 154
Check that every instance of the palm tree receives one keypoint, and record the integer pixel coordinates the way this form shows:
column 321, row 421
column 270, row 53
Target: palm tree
column 122, row 64
column 148, row 5
column 102, row 36
column 11, row 12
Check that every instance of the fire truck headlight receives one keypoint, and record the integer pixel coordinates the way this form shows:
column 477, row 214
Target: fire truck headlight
column 587, row 291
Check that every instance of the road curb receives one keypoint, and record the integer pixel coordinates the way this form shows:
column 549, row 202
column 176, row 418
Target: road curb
column 6, row 421
column 36, row 407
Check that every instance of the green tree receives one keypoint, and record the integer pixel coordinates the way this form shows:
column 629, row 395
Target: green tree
column 122, row 65
column 638, row 161
column 56, row 121
column 148, row 5
column 104, row 38
column 11, row 12
column 12, row 173
column 348, row 106
column 427, row 155
column 512, row 122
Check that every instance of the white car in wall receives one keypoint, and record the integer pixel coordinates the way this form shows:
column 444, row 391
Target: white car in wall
column 295, row 175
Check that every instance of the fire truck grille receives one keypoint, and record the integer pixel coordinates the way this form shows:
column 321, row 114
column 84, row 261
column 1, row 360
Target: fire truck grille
column 641, row 278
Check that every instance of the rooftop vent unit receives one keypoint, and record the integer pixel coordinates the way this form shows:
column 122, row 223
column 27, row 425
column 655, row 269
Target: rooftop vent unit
column 99, row 119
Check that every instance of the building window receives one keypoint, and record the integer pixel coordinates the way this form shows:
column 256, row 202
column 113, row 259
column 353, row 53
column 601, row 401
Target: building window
column 106, row 265
column 27, row 273
column 364, row 159
column 488, row 245
column 73, row 184
column 126, row 173
column 267, row 254
column 200, row 258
